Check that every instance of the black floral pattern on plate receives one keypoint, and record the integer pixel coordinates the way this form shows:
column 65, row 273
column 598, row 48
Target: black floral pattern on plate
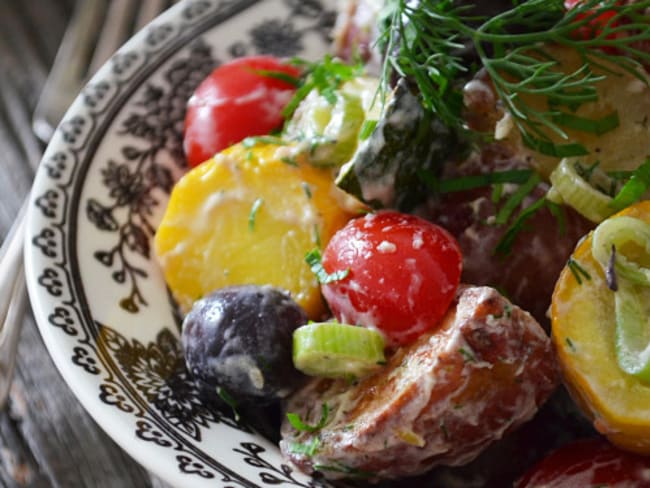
column 148, row 380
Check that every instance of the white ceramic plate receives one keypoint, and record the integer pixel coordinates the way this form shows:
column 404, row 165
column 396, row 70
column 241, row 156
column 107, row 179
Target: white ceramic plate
column 99, row 298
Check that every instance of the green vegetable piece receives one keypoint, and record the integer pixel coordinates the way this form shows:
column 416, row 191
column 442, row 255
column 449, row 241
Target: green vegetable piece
column 631, row 283
column 583, row 195
column 337, row 350
column 635, row 188
column 621, row 232
column 632, row 330
column 329, row 124
column 407, row 142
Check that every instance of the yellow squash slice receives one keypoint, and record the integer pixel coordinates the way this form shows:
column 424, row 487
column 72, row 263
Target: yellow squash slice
column 249, row 216
column 583, row 332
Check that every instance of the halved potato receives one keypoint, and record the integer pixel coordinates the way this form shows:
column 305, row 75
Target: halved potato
column 249, row 216
column 583, row 328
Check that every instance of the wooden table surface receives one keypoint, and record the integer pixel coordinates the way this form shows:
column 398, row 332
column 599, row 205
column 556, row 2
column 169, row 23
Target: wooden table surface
column 46, row 437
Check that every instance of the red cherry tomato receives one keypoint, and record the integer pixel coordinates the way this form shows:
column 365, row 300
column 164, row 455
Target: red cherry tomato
column 594, row 27
column 237, row 100
column 403, row 274
column 589, row 463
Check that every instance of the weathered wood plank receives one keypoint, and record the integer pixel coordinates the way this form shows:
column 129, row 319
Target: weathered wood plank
column 46, row 437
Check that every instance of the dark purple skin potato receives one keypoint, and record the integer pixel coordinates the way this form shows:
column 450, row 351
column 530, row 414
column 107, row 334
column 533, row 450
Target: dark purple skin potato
column 528, row 272
column 240, row 339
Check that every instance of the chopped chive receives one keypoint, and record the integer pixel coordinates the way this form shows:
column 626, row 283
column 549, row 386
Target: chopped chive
column 289, row 161
column 254, row 141
column 279, row 75
column 593, row 126
column 558, row 212
column 634, row 189
column 307, row 190
column 579, row 273
column 516, row 198
column 477, row 181
column 570, row 343
column 367, row 128
column 555, row 150
column 468, row 354
column 504, row 246
column 313, row 259
column 497, row 192
column 253, row 213
column 297, row 423
column 474, row 181
column 306, row 449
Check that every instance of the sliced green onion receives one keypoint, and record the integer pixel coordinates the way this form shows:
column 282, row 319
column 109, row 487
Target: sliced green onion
column 574, row 190
column 634, row 189
column 631, row 289
column 617, row 232
column 335, row 350
column 632, row 330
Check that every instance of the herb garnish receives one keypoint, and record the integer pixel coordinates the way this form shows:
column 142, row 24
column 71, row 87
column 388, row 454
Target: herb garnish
column 307, row 449
column 635, row 187
column 579, row 273
column 424, row 41
column 570, row 343
column 325, row 76
column 297, row 423
column 255, row 140
column 253, row 213
column 314, row 260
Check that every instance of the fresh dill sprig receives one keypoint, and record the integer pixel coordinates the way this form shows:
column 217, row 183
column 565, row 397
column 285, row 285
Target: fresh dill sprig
column 424, row 41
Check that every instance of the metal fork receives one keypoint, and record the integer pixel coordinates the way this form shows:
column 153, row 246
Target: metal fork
column 96, row 30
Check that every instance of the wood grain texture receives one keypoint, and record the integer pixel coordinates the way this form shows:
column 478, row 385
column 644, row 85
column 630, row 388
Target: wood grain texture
column 46, row 437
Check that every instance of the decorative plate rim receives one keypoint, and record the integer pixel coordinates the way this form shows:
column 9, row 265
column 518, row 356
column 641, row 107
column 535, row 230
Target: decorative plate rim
column 63, row 314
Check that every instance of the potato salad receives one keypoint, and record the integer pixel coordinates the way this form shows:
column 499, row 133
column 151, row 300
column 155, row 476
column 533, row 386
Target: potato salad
column 429, row 250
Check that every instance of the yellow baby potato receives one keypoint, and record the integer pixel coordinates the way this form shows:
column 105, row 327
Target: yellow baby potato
column 249, row 216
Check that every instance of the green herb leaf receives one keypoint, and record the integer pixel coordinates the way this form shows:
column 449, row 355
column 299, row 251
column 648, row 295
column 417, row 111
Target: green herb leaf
column 504, row 246
column 250, row 142
column 634, row 189
column 306, row 449
column 326, row 76
column 578, row 272
column 464, row 183
column 297, row 423
column 367, row 129
column 314, row 260
column 517, row 198
column 253, row 213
